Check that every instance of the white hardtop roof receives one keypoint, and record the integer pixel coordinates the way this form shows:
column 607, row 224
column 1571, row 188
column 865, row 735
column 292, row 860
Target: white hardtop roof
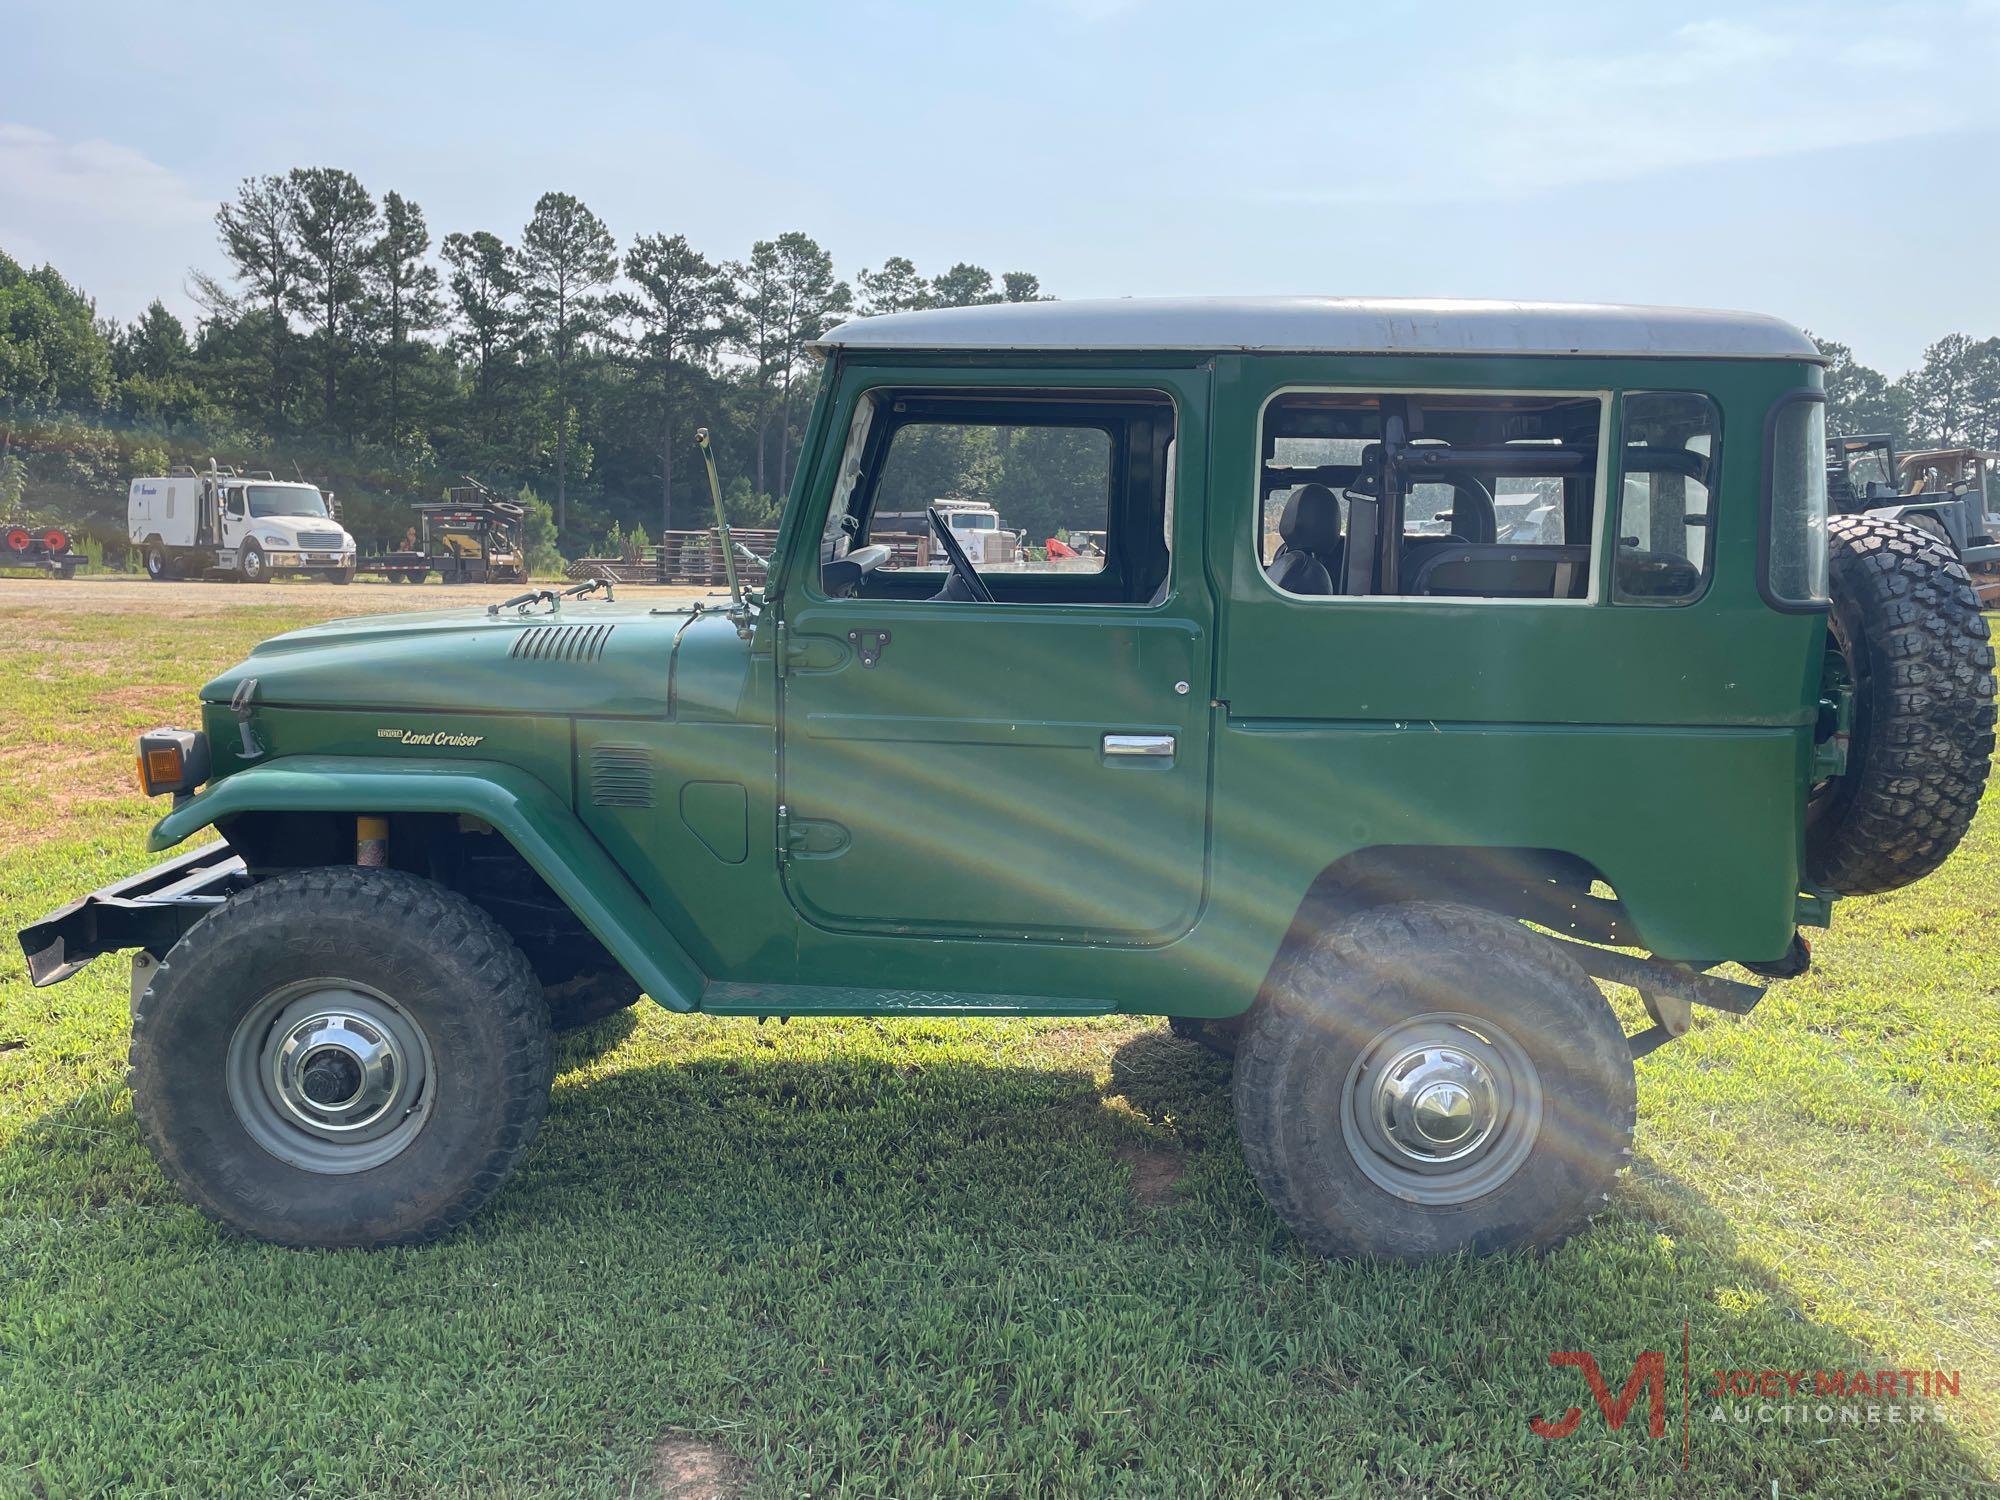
column 1334, row 325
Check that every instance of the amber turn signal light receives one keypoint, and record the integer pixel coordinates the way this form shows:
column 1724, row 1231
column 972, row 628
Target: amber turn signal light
column 172, row 760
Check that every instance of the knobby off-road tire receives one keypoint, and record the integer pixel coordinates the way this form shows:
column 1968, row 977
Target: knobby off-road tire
column 1905, row 618
column 324, row 959
column 1354, row 1077
column 576, row 1003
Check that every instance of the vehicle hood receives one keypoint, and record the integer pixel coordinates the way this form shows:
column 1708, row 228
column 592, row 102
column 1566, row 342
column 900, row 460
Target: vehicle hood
column 588, row 659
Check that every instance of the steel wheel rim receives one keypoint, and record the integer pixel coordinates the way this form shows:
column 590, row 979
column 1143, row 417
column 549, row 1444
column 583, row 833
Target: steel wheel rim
column 253, row 564
column 1441, row 1108
column 330, row 1076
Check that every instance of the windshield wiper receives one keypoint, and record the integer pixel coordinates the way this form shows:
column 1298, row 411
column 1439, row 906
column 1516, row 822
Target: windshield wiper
column 525, row 602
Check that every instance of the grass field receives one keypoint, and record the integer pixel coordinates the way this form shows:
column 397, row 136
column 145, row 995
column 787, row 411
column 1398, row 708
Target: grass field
column 935, row 1257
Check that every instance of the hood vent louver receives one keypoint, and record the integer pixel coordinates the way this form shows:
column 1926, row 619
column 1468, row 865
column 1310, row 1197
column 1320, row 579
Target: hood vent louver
column 561, row 643
column 621, row 776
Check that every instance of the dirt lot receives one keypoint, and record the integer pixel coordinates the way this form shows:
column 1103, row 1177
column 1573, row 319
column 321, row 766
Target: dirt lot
column 119, row 593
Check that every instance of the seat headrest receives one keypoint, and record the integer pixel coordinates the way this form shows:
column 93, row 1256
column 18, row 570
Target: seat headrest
column 1311, row 519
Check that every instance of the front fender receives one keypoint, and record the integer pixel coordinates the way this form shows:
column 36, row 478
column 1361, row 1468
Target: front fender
column 518, row 806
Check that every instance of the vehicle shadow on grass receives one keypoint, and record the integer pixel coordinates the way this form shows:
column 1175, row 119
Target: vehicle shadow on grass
column 821, row 1244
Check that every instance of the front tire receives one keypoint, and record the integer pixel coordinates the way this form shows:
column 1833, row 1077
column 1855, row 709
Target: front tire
column 1427, row 1079
column 341, row 1057
column 250, row 564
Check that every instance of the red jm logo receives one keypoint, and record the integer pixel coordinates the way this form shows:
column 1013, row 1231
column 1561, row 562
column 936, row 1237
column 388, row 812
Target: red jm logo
column 1649, row 1373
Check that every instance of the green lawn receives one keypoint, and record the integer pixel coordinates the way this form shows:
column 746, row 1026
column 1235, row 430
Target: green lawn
column 937, row 1257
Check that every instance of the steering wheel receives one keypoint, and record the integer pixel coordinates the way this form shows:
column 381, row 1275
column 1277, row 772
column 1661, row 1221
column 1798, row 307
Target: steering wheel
column 961, row 565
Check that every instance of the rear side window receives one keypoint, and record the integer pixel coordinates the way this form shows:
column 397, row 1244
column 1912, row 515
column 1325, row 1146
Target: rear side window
column 1427, row 494
column 1665, row 504
column 1795, row 504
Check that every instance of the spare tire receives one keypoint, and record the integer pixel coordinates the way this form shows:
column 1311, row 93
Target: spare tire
column 1906, row 622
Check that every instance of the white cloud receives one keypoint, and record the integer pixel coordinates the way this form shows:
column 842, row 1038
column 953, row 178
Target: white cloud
column 42, row 177
column 1531, row 114
column 109, row 218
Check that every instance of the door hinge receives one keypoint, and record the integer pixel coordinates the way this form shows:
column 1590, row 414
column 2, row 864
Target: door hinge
column 788, row 652
column 784, row 830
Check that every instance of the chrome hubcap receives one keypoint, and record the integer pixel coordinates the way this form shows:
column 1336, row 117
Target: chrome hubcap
column 1441, row 1108
column 335, row 1071
column 330, row 1075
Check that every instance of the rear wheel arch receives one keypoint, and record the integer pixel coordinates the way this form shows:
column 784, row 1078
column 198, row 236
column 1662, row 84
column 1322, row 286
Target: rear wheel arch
column 1555, row 888
column 1551, row 886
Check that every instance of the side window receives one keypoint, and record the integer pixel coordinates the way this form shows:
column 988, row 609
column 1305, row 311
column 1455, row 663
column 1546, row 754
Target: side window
column 1488, row 495
column 1795, row 504
column 1665, row 504
column 1016, row 498
column 1052, row 497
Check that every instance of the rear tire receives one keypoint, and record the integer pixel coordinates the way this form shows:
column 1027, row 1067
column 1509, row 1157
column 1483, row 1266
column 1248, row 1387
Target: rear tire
column 1920, row 657
column 341, row 1057
column 1427, row 1079
column 159, row 567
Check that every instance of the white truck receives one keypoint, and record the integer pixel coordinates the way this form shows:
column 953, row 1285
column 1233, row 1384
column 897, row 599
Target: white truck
column 974, row 523
column 250, row 526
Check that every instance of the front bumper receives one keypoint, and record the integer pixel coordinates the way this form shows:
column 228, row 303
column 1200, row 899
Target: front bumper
column 149, row 910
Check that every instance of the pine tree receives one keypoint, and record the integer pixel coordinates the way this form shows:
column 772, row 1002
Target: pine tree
column 336, row 221
column 402, row 296
column 491, row 322
column 260, row 235
column 674, row 322
column 567, row 258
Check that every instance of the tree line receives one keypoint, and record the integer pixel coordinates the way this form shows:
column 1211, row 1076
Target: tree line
column 338, row 340
column 1951, row 400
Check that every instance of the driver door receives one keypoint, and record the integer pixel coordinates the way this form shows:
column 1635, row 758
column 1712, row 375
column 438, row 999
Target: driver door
column 1031, row 768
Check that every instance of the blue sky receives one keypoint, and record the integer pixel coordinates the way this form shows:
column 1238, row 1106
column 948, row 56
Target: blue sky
column 1831, row 163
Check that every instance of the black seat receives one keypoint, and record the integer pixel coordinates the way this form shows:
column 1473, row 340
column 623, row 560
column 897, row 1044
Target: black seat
column 1309, row 557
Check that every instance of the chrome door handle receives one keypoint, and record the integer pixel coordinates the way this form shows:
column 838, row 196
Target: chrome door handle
column 1139, row 744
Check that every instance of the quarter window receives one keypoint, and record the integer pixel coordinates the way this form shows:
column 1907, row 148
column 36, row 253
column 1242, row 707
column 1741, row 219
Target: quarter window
column 1795, row 545
column 1666, row 506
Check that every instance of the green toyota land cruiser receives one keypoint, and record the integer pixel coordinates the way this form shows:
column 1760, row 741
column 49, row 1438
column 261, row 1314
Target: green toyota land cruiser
column 1360, row 682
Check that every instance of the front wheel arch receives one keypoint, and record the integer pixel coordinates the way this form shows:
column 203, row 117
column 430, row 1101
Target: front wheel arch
column 321, row 796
